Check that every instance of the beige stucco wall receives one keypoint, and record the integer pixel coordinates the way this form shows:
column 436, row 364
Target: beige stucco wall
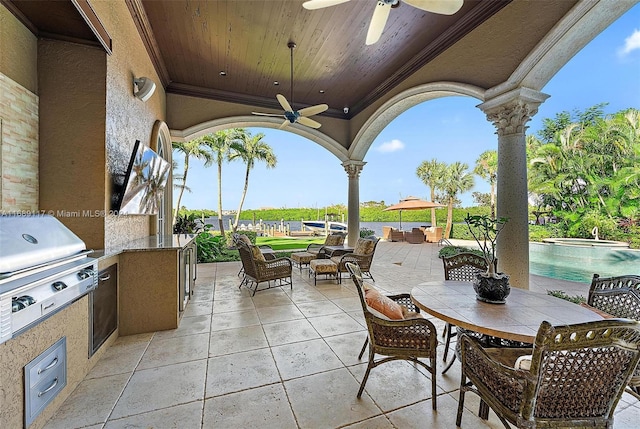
column 127, row 118
column 89, row 120
column 18, row 51
column 71, row 323
column 72, row 136
column 18, row 117
column 84, row 121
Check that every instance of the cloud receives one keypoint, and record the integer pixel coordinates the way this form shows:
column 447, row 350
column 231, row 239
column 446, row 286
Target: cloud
column 392, row 146
column 631, row 43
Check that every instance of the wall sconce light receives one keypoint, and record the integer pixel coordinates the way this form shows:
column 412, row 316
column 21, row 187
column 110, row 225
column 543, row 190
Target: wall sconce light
column 143, row 88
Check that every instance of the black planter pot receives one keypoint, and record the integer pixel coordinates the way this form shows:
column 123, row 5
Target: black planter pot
column 493, row 290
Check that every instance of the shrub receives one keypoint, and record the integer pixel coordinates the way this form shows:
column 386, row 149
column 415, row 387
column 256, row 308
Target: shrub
column 576, row 299
column 229, row 240
column 186, row 224
column 632, row 236
column 461, row 232
column 210, row 247
column 538, row 233
column 454, row 250
column 583, row 227
column 364, row 232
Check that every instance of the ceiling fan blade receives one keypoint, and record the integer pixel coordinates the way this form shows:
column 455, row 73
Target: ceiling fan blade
column 284, row 103
column 266, row 114
column 319, row 4
column 378, row 21
column 313, row 110
column 284, row 124
column 308, row 122
column 443, row 7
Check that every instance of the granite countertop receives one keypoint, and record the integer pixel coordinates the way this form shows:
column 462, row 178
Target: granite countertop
column 153, row 242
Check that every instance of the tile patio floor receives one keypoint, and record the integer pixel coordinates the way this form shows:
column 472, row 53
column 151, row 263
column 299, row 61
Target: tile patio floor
column 282, row 359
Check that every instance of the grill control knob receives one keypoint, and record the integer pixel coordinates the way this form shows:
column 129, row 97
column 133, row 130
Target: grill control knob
column 58, row 285
column 27, row 300
column 16, row 305
column 21, row 303
column 84, row 274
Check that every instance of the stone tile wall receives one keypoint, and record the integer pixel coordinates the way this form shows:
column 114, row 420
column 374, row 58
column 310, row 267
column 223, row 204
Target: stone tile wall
column 18, row 148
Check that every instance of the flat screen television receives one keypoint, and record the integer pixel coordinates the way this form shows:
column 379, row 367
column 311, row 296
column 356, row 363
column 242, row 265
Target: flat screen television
column 144, row 182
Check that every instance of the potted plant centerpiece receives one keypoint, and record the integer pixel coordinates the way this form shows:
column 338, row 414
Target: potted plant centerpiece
column 490, row 286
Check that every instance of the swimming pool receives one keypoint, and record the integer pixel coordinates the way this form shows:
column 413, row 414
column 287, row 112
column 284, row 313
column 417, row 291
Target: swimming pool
column 579, row 263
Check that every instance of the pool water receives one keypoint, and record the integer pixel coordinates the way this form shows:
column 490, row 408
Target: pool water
column 580, row 263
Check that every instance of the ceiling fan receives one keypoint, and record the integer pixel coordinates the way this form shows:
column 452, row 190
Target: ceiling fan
column 292, row 116
column 381, row 12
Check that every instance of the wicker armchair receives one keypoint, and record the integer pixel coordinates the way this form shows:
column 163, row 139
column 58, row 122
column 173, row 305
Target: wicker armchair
column 267, row 250
column 333, row 239
column 362, row 256
column 577, row 376
column 258, row 270
column 415, row 236
column 407, row 339
column 461, row 267
column 403, row 299
column 620, row 297
column 433, row 235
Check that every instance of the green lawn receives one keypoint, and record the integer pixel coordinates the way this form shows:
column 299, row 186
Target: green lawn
column 288, row 243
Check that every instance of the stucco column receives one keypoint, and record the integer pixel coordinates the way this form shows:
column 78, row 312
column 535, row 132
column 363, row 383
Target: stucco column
column 353, row 169
column 510, row 112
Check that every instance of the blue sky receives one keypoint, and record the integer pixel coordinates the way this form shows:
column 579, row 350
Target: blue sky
column 448, row 129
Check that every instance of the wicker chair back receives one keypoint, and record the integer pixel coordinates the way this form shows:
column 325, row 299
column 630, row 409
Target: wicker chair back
column 463, row 267
column 406, row 339
column 577, row 376
column 246, row 256
column 620, row 297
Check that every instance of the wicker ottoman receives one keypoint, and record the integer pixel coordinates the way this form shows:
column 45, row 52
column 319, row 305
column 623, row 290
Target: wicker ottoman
column 323, row 266
column 302, row 258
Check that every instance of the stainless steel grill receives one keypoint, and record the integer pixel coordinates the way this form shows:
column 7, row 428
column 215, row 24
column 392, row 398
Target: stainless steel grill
column 43, row 268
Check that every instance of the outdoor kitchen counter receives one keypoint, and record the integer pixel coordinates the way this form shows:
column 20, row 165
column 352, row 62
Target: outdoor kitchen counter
column 153, row 242
column 151, row 293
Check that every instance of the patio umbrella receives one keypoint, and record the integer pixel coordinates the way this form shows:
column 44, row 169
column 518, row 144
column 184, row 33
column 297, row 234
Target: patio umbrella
column 412, row 203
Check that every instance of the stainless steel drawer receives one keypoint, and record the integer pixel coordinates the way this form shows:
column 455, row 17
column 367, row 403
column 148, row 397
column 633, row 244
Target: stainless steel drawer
column 44, row 378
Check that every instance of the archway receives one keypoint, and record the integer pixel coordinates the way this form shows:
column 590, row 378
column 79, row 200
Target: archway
column 403, row 102
column 315, row 136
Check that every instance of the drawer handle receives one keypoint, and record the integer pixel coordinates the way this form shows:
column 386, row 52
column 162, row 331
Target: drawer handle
column 53, row 385
column 49, row 306
column 53, row 363
column 105, row 278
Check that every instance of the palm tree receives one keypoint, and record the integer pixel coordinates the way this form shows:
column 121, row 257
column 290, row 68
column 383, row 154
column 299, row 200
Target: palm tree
column 252, row 150
column 431, row 174
column 487, row 168
column 191, row 149
column 455, row 180
column 220, row 144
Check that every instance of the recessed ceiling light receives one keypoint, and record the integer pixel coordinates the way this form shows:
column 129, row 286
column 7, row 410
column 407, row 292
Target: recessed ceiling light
column 321, row 91
column 276, row 83
column 223, row 73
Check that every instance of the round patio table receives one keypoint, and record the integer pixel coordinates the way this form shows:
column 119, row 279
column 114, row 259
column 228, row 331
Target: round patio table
column 517, row 320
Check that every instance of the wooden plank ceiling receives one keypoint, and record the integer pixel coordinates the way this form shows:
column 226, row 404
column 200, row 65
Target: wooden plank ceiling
column 191, row 42
column 247, row 40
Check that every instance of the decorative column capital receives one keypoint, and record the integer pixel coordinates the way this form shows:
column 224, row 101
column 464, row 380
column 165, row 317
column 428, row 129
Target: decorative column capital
column 353, row 168
column 510, row 111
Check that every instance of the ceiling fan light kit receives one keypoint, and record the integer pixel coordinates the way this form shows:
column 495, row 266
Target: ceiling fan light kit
column 290, row 115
